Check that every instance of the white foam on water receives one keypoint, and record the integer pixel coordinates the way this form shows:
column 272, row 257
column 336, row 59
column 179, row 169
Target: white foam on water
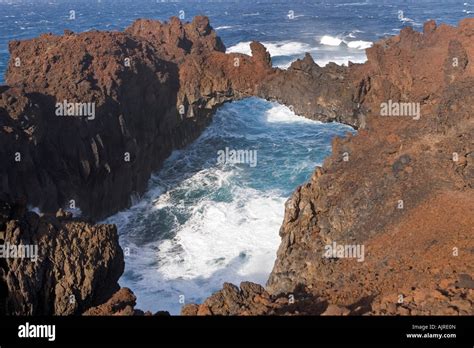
column 241, row 47
column 283, row 114
column 236, row 239
column 328, row 40
column 352, row 4
column 221, row 242
column 341, row 60
column 359, row 44
column 201, row 224
column 410, row 21
column 334, row 41
column 224, row 27
column 294, row 50
column 276, row 49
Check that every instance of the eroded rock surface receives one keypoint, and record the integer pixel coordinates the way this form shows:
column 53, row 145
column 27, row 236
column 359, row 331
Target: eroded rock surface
column 402, row 187
column 154, row 87
column 77, row 264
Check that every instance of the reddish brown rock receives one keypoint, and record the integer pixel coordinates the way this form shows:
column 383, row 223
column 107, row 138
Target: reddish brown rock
column 253, row 299
column 394, row 159
column 335, row 310
column 175, row 40
column 76, row 265
column 190, row 309
column 122, row 303
column 153, row 87
column 401, row 187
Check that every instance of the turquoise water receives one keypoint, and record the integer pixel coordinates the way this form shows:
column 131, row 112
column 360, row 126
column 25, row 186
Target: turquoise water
column 203, row 223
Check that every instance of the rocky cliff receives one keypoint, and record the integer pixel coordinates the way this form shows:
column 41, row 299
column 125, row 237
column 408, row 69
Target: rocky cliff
column 84, row 121
column 152, row 89
column 97, row 162
column 401, row 187
column 64, row 266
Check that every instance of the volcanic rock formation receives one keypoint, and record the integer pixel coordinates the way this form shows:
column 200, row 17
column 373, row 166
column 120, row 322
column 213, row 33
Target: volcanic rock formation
column 154, row 88
column 401, row 187
column 96, row 163
column 76, row 264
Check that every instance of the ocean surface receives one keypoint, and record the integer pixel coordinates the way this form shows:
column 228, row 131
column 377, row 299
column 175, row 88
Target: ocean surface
column 203, row 222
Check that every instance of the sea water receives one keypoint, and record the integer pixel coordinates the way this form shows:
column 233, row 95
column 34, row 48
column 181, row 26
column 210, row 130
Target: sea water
column 203, row 222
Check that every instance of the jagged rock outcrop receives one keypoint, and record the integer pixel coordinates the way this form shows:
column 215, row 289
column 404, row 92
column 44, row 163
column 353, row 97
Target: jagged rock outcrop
column 122, row 303
column 253, row 299
column 175, row 40
column 402, row 188
column 329, row 94
column 152, row 89
column 69, row 266
column 355, row 196
column 97, row 163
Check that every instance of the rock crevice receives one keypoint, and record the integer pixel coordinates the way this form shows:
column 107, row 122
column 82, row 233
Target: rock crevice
column 154, row 88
